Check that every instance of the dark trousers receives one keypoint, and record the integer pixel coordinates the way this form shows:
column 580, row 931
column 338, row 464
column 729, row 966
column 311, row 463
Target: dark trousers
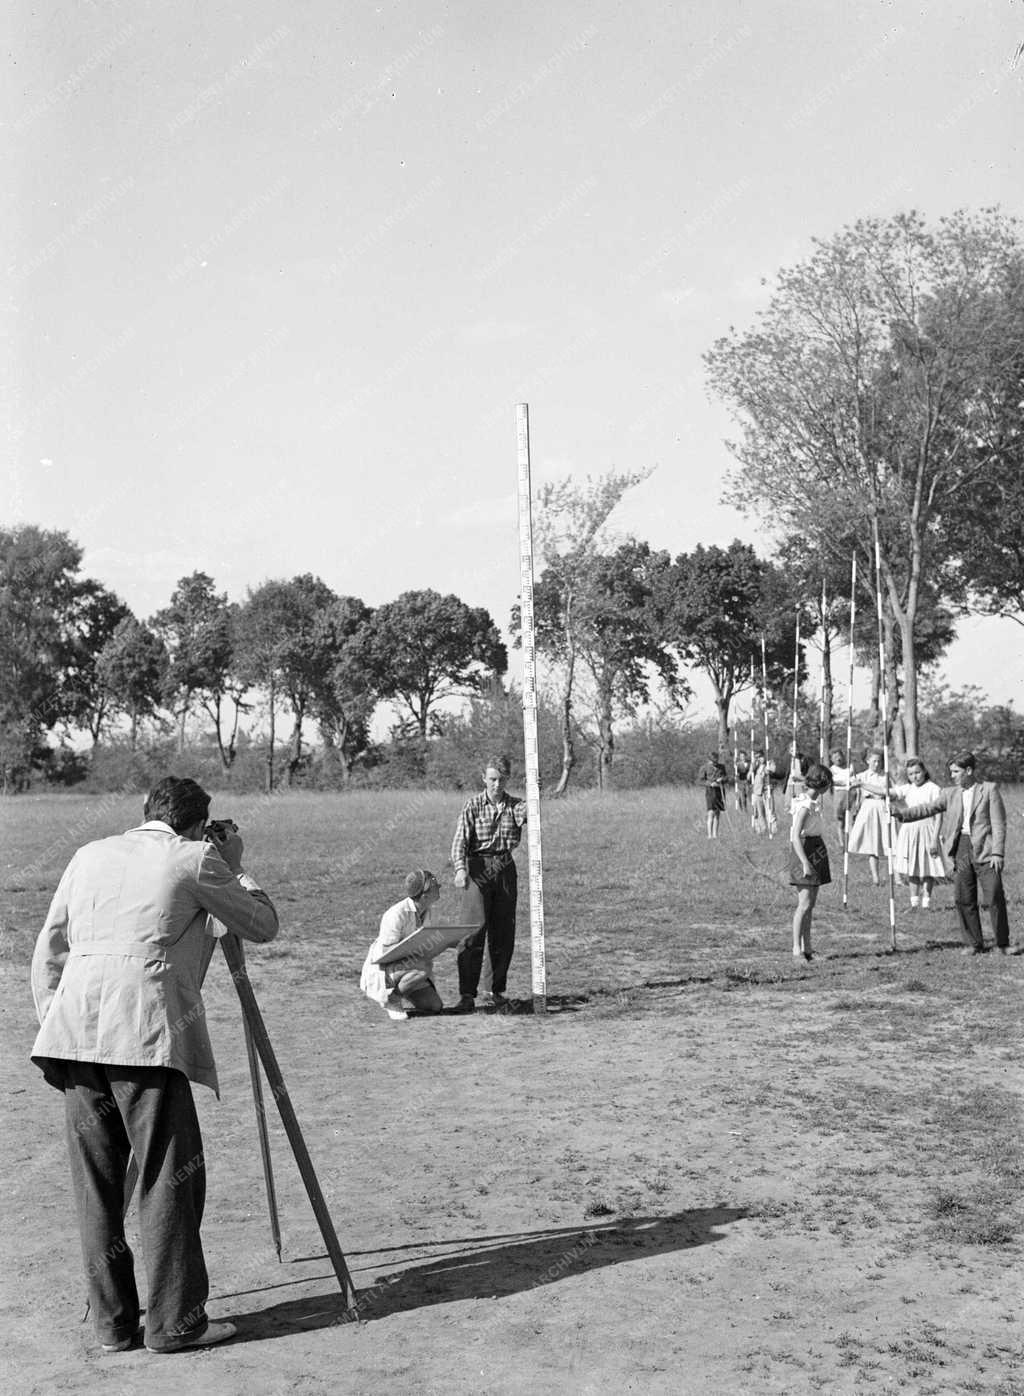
column 496, row 878
column 968, row 875
column 110, row 1111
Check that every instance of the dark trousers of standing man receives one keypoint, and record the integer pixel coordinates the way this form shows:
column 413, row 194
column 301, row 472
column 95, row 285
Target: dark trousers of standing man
column 110, row 1112
column 968, row 875
column 496, row 877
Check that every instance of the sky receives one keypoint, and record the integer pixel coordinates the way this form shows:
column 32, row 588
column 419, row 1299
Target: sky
column 278, row 274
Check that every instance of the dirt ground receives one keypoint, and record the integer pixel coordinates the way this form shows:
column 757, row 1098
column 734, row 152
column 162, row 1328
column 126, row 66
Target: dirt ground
column 746, row 1175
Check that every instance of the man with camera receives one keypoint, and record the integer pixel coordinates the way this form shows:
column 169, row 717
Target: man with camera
column 117, row 976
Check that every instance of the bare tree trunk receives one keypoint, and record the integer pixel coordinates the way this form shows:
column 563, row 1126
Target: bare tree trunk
column 606, row 746
column 875, row 706
column 722, row 707
column 894, row 726
column 827, row 696
column 568, row 745
column 295, row 759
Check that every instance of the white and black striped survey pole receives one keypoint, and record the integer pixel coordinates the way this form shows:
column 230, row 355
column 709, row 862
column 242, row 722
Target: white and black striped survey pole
column 536, row 865
column 883, row 694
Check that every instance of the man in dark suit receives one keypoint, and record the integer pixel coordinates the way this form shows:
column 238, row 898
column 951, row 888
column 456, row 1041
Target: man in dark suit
column 973, row 841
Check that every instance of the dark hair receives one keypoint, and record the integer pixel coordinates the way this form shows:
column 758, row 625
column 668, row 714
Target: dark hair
column 964, row 759
column 818, row 777
column 919, row 764
column 500, row 763
column 179, row 802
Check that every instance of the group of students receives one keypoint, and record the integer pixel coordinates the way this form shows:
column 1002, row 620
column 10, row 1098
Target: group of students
column 867, row 802
column 960, row 827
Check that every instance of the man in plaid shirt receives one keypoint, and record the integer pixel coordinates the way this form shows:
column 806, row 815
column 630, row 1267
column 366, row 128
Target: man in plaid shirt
column 488, row 832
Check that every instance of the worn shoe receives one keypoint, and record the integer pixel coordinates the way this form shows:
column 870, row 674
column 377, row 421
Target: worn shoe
column 466, row 1004
column 493, row 1001
column 1002, row 950
column 123, row 1344
column 973, row 950
column 215, row 1333
column 914, row 903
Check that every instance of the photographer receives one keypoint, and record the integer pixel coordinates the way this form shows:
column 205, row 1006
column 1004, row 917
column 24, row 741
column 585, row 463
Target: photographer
column 117, row 976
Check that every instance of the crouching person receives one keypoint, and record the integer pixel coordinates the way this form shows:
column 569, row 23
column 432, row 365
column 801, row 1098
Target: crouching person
column 404, row 986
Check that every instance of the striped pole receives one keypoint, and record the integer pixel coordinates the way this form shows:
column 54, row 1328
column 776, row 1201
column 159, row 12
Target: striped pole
column 849, row 739
column 885, row 737
column 796, row 678
column 536, row 865
column 822, row 753
column 769, row 796
column 753, row 694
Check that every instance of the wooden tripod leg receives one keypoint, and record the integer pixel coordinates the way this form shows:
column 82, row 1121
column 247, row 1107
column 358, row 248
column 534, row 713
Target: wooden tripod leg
column 254, row 1020
column 261, row 1128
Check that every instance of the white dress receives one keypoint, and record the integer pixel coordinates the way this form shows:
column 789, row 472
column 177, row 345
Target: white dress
column 869, row 834
column 914, row 857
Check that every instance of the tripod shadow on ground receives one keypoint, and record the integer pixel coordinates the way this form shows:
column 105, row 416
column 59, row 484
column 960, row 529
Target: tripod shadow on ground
column 491, row 1267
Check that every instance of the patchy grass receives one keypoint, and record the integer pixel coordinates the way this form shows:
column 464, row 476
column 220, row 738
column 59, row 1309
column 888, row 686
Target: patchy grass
column 861, row 1113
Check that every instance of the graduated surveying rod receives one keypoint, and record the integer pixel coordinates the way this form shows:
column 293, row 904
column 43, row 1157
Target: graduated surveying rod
column 885, row 735
column 849, row 740
column 536, row 865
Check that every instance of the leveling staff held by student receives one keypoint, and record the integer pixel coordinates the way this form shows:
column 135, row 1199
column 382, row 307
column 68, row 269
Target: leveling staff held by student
column 486, row 836
column 116, row 976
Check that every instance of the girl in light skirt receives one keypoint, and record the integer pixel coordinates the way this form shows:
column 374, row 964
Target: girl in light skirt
column 918, row 860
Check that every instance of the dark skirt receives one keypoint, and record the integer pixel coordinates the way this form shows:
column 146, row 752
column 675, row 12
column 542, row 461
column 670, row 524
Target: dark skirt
column 817, row 855
column 714, row 797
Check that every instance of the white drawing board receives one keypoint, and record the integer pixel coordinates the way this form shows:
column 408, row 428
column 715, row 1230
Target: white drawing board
column 428, row 940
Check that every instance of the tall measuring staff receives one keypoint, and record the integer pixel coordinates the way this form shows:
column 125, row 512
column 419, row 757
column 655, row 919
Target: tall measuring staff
column 536, row 865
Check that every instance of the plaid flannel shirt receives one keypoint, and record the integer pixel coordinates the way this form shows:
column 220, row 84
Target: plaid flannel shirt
column 485, row 830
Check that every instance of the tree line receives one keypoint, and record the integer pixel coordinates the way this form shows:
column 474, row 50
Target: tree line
column 878, row 400
column 75, row 658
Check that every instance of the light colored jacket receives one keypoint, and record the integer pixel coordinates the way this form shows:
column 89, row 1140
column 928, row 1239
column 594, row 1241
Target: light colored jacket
column 118, row 967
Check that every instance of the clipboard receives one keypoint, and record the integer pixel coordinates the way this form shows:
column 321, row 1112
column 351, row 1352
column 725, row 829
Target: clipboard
column 428, row 940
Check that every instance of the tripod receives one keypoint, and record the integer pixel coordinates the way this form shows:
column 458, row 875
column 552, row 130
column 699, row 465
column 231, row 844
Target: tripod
column 259, row 1049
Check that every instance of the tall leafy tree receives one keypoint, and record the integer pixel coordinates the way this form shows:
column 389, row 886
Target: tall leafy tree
column 284, row 647
column 714, row 605
column 94, row 615
column 197, row 629
column 867, row 395
column 424, row 648
column 132, row 666
column 615, row 636
column 572, row 531
column 39, row 589
column 344, row 700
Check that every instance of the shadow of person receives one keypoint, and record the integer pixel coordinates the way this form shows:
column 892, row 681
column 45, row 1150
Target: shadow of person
column 492, row 1267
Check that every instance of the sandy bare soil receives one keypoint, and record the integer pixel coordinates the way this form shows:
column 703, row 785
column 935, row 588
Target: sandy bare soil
column 706, row 1170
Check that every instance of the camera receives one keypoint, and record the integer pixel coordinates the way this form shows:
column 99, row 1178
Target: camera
column 217, row 830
